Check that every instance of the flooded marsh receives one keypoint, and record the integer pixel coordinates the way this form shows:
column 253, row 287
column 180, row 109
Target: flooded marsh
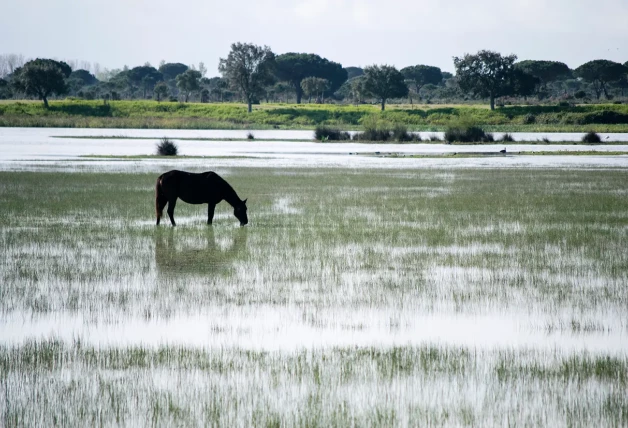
column 381, row 297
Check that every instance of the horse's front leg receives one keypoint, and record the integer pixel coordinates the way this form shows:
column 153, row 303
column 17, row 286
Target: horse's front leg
column 210, row 212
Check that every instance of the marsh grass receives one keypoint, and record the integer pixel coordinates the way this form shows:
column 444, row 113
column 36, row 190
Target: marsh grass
column 355, row 254
column 343, row 386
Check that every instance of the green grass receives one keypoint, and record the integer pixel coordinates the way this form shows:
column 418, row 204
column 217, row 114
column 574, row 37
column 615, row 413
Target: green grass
column 151, row 114
column 342, row 253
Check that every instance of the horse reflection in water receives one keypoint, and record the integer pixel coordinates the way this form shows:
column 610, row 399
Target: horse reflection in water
column 198, row 254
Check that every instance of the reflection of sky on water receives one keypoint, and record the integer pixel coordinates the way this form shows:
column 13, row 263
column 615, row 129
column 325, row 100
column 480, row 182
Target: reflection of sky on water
column 35, row 149
column 292, row 328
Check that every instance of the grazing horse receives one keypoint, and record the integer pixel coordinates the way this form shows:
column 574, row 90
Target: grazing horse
column 203, row 188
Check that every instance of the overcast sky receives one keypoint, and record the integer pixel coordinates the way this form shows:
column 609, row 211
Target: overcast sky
column 353, row 32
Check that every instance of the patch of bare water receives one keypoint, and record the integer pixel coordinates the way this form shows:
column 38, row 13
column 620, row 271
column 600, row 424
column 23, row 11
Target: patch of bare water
column 293, row 328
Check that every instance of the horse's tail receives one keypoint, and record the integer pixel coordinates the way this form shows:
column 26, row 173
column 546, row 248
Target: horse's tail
column 160, row 199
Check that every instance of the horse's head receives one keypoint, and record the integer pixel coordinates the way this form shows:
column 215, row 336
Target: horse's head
column 240, row 212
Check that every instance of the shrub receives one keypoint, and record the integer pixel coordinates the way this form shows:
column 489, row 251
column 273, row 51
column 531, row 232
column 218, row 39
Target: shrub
column 607, row 117
column 400, row 133
column 467, row 134
column 591, row 138
column 580, row 95
column 434, row 137
column 167, row 148
column 507, row 138
column 324, row 133
column 375, row 129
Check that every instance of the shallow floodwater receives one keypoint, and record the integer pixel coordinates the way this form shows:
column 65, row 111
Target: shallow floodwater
column 45, row 148
column 365, row 291
column 272, row 328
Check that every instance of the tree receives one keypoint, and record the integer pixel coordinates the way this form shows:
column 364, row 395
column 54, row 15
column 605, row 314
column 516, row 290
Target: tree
column 9, row 63
column 294, row 67
column 384, row 82
column 217, row 86
column 84, row 76
column 521, row 83
column 170, row 71
column 357, row 89
column 314, row 85
column 421, row 75
column 354, row 72
column 145, row 77
column 79, row 79
column 545, row 71
column 487, row 74
column 42, row 78
column 5, row 91
column 600, row 73
column 248, row 68
column 189, row 82
column 161, row 90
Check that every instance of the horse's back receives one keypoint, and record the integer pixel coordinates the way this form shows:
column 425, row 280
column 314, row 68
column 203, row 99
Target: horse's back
column 190, row 187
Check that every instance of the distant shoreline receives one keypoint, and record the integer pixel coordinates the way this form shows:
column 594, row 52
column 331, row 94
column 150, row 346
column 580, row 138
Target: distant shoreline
column 432, row 118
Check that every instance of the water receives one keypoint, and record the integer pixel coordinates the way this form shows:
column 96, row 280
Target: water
column 35, row 148
column 366, row 290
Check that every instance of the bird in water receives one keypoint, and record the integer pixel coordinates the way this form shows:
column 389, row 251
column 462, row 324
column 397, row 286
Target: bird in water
column 503, row 151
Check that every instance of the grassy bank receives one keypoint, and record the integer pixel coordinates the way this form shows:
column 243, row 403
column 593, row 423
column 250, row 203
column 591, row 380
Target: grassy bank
column 150, row 114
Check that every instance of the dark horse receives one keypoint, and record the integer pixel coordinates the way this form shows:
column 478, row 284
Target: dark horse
column 203, row 188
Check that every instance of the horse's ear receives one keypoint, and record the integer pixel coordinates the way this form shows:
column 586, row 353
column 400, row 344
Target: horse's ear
column 244, row 201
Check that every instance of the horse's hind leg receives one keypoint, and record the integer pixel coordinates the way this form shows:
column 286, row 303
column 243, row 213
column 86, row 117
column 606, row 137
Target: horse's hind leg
column 160, row 204
column 171, row 204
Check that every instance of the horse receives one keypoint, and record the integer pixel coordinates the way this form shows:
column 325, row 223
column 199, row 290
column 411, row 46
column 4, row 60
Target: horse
column 203, row 188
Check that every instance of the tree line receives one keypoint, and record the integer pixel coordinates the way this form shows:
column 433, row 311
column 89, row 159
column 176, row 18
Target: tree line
column 252, row 74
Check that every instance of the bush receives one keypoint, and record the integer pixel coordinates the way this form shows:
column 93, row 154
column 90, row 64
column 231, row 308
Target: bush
column 324, row 133
column 591, row 138
column 507, row 138
column 580, row 95
column 167, row 148
column 467, row 134
column 606, row 117
column 400, row 133
column 529, row 119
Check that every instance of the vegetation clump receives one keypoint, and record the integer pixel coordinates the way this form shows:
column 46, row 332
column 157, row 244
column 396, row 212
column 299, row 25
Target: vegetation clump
column 250, row 136
column 325, row 133
column 591, row 138
column 376, row 129
column 467, row 134
column 507, row 138
column 167, row 147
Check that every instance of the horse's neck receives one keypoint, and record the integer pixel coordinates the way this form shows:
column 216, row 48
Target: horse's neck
column 229, row 195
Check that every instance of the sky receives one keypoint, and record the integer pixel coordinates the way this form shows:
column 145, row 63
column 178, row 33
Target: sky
column 115, row 33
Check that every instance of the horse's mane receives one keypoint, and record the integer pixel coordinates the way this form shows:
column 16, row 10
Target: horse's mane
column 230, row 194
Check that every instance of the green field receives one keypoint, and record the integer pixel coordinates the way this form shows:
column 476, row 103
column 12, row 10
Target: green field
column 166, row 115
column 343, row 255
